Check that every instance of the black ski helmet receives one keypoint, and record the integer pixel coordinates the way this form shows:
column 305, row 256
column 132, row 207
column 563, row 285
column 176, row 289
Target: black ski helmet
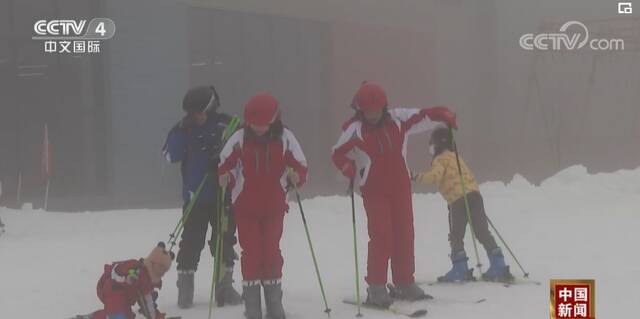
column 201, row 99
column 441, row 140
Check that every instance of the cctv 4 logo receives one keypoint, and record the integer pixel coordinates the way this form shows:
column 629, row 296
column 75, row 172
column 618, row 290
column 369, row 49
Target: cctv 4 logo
column 65, row 28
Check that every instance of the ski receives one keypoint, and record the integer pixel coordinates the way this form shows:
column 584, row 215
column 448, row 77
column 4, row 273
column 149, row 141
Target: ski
column 393, row 293
column 445, row 283
column 89, row 316
column 517, row 281
column 456, row 301
column 400, row 308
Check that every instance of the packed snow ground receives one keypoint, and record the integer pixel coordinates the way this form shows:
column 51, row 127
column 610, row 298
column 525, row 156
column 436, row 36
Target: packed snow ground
column 574, row 225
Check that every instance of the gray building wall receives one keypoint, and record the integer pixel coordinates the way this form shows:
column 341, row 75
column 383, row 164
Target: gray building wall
column 108, row 115
column 147, row 64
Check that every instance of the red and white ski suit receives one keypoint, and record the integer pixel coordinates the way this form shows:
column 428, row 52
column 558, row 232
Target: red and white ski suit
column 258, row 168
column 379, row 154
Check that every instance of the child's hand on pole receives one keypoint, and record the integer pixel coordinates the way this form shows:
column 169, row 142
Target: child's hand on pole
column 441, row 114
column 349, row 170
column 224, row 179
column 293, row 177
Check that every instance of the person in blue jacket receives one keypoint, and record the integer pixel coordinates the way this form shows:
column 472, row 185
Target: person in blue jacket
column 195, row 142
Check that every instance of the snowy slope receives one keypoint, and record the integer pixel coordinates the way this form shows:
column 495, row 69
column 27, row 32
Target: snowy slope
column 574, row 225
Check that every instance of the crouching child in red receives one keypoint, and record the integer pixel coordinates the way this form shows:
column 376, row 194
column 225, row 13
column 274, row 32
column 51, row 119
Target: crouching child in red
column 125, row 283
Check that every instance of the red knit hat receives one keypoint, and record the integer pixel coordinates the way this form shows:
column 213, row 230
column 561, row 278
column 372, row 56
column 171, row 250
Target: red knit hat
column 261, row 109
column 369, row 97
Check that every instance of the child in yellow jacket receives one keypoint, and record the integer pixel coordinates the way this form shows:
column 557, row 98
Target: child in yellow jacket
column 444, row 173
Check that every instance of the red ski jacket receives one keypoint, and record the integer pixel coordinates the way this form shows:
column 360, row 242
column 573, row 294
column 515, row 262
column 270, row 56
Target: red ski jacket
column 379, row 151
column 259, row 170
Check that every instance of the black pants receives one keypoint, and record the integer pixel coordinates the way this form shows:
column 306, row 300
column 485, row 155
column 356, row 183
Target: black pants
column 194, row 234
column 458, row 223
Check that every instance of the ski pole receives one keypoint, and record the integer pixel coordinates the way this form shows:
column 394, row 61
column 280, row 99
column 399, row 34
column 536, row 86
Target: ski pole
column 222, row 223
column 218, row 249
column 224, row 227
column 144, row 307
column 313, row 254
column 187, row 212
column 221, row 226
column 230, row 129
column 525, row 274
column 466, row 201
column 145, row 311
column 355, row 248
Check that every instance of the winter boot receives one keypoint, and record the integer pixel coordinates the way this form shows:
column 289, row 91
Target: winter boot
column 460, row 270
column 273, row 299
column 252, row 300
column 185, row 288
column 225, row 293
column 409, row 292
column 377, row 295
column 498, row 270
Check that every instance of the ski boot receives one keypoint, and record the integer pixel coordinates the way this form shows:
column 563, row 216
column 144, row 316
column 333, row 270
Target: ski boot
column 409, row 292
column 252, row 300
column 460, row 271
column 377, row 295
column 498, row 270
column 273, row 299
column 185, row 288
column 225, row 293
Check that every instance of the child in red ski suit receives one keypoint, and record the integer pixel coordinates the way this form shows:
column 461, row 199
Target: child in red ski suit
column 259, row 162
column 125, row 283
column 373, row 145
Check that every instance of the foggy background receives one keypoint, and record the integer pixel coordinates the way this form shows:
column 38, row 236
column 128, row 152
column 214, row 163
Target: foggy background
column 526, row 112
